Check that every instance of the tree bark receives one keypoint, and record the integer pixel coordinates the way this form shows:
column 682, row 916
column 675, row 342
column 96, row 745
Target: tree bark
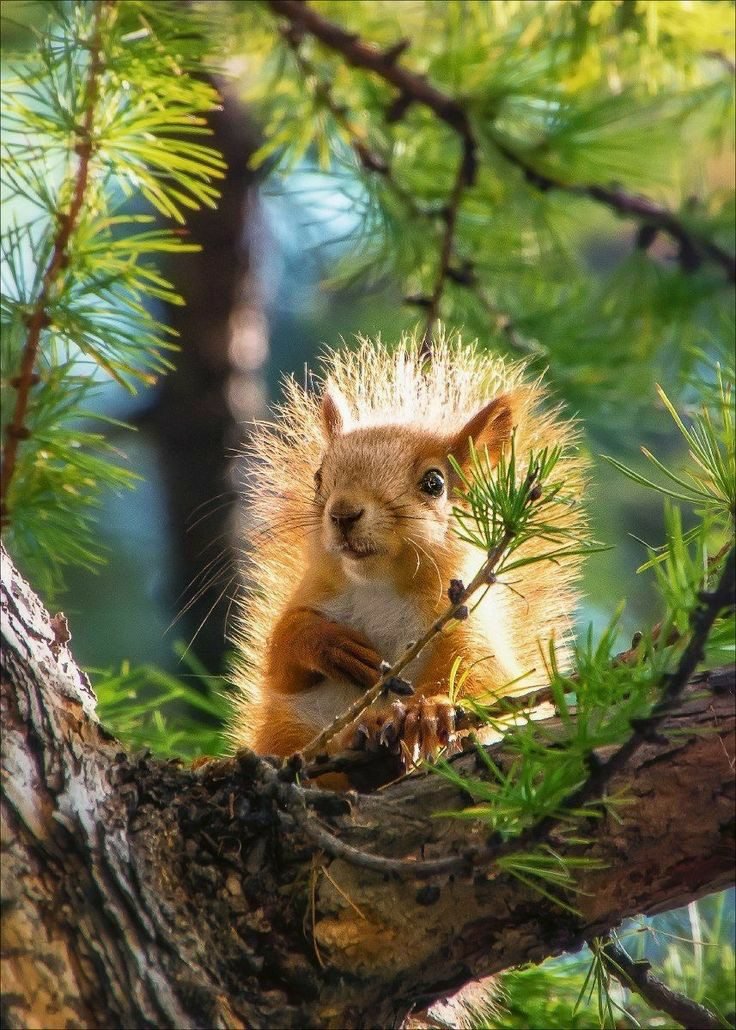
column 138, row 892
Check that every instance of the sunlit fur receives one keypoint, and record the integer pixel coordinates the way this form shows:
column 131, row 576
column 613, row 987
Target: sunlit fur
column 392, row 419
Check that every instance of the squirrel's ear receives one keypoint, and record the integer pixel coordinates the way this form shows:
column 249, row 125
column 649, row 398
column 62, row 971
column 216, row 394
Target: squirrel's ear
column 490, row 427
column 335, row 413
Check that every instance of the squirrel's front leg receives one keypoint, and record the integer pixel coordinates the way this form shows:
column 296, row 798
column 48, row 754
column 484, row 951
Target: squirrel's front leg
column 305, row 646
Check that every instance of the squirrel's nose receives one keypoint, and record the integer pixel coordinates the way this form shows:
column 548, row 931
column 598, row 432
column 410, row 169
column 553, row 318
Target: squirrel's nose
column 345, row 515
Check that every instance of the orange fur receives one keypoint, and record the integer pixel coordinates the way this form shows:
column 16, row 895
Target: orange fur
column 350, row 570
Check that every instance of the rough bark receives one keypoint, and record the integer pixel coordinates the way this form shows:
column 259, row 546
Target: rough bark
column 143, row 893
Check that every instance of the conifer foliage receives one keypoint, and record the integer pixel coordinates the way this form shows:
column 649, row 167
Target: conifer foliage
column 494, row 143
column 104, row 112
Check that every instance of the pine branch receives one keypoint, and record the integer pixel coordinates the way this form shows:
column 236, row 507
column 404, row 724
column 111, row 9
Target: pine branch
column 415, row 88
column 637, row 976
column 37, row 318
column 368, row 158
column 412, row 88
column 78, row 271
column 373, row 162
column 702, row 619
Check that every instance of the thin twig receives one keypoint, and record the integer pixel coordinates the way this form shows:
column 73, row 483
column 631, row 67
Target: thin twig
column 367, row 157
column 414, row 88
column 637, row 976
column 37, row 318
column 481, row 579
column 463, row 178
column 337, row 848
column 371, row 161
column 654, row 640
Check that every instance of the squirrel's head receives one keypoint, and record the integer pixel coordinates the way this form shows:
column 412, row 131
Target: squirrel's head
column 385, row 493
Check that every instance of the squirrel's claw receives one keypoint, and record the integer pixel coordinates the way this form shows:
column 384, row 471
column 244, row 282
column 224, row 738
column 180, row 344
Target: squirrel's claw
column 428, row 727
column 362, row 734
column 390, row 734
column 418, row 728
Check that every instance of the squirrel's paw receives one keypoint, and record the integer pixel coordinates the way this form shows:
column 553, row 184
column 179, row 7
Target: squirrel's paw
column 417, row 728
column 345, row 654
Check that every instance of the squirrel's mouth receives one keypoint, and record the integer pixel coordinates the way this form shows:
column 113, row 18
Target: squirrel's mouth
column 357, row 551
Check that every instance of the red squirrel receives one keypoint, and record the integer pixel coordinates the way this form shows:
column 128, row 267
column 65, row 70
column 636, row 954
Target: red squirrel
column 356, row 547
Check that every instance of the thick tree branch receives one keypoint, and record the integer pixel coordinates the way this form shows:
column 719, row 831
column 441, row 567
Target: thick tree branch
column 139, row 892
column 414, row 88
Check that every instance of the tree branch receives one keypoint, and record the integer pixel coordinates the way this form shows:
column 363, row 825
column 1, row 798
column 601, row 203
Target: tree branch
column 464, row 177
column 375, row 163
column 637, row 976
column 371, row 161
column 38, row 317
column 414, row 88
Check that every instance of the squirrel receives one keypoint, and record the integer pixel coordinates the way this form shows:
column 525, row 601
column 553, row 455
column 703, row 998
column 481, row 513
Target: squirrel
column 355, row 548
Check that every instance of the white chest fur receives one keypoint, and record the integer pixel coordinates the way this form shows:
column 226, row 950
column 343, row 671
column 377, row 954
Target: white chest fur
column 388, row 619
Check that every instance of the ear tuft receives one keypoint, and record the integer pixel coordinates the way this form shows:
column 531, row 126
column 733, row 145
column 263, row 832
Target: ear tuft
column 334, row 412
column 490, row 427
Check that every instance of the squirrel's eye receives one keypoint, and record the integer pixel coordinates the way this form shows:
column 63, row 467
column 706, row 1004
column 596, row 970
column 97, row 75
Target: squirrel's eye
column 318, row 480
column 432, row 483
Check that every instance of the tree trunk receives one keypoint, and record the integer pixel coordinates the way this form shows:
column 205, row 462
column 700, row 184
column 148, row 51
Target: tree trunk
column 202, row 406
column 142, row 893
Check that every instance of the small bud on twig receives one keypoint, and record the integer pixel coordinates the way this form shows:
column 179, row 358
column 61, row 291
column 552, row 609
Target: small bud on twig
column 395, row 685
column 394, row 52
column 398, row 108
